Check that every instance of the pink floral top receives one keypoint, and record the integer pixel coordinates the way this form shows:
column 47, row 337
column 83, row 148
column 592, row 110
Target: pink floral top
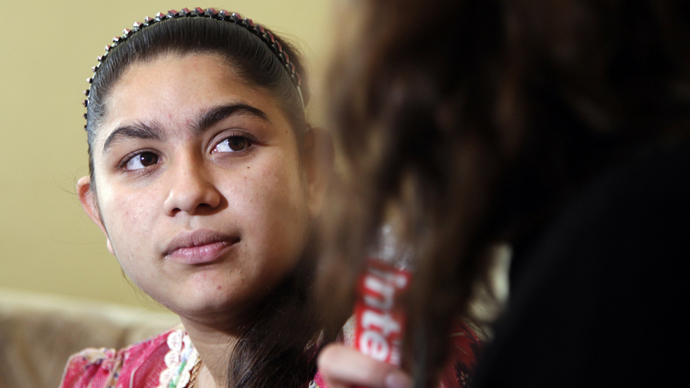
column 165, row 361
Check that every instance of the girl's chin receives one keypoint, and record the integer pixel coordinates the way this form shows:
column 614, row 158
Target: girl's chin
column 213, row 296
column 207, row 307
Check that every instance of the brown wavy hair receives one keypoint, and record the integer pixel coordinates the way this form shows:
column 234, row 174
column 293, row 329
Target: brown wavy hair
column 474, row 120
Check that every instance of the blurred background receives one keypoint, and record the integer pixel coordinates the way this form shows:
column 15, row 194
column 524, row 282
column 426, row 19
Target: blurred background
column 47, row 244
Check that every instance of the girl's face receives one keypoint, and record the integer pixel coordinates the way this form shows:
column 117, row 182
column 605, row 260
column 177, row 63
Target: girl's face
column 201, row 190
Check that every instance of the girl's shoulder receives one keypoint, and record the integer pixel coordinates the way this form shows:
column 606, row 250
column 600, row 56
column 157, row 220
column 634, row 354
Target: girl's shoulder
column 142, row 365
column 465, row 348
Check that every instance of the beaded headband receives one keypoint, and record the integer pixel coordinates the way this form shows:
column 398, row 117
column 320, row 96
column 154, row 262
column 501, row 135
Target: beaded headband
column 258, row 30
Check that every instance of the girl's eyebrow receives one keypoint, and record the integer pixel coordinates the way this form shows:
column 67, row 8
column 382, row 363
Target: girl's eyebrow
column 136, row 130
column 214, row 115
column 206, row 120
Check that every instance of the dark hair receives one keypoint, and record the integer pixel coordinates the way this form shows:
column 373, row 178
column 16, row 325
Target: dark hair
column 475, row 118
column 277, row 346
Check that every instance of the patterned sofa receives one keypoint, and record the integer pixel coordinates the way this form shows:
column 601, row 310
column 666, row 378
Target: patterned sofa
column 38, row 332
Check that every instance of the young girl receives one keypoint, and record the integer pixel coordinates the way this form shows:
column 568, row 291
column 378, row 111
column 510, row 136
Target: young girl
column 204, row 180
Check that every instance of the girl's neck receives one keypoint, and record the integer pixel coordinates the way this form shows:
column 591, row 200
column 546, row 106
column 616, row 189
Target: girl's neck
column 215, row 347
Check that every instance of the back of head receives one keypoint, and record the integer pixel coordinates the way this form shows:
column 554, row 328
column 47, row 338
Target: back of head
column 440, row 106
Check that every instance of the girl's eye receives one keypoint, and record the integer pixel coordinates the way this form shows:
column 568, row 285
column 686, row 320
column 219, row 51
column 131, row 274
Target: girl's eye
column 142, row 160
column 233, row 144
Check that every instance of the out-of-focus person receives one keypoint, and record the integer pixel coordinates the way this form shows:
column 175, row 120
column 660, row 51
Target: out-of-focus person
column 558, row 127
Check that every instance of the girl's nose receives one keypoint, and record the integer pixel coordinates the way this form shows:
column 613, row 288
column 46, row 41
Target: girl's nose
column 192, row 190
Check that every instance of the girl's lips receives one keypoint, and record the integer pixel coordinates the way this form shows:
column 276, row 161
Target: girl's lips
column 199, row 246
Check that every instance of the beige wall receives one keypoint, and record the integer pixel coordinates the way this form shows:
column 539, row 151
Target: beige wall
column 47, row 243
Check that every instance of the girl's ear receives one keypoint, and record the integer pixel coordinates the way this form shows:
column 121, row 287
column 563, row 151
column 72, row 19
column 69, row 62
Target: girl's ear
column 88, row 200
column 318, row 161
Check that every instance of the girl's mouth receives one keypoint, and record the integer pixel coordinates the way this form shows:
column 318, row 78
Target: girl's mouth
column 201, row 246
